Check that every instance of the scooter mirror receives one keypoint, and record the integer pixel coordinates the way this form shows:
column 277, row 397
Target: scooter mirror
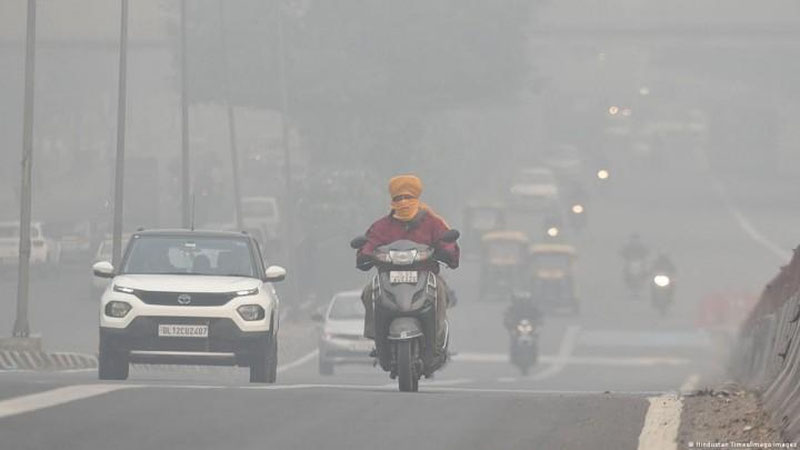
column 358, row 242
column 450, row 236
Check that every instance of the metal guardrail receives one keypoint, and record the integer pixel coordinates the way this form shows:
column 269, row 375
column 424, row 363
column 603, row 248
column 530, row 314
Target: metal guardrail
column 767, row 353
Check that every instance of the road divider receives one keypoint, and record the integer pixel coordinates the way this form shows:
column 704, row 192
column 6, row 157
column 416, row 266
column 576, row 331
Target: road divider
column 33, row 360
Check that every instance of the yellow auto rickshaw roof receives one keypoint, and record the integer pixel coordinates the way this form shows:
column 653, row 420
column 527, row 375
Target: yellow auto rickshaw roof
column 553, row 248
column 502, row 235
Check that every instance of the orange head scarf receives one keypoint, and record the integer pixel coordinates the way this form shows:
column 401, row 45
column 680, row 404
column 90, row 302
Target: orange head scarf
column 409, row 186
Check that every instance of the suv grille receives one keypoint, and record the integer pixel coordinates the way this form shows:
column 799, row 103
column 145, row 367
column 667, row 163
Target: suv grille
column 180, row 298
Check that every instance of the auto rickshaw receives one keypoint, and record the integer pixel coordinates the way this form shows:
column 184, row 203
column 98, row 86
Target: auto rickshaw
column 552, row 281
column 504, row 260
column 479, row 220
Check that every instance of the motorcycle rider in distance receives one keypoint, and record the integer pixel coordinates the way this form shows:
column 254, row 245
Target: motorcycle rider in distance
column 522, row 307
column 634, row 253
column 415, row 221
column 663, row 265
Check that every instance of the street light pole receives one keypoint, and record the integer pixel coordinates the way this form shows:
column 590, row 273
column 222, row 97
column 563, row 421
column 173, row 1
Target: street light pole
column 237, row 190
column 21, row 326
column 287, row 154
column 119, row 174
column 185, row 195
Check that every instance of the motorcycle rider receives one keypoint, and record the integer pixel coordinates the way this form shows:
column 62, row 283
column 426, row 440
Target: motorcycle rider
column 663, row 265
column 412, row 220
column 634, row 253
column 522, row 307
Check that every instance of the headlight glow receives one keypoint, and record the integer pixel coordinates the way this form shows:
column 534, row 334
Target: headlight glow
column 117, row 309
column 661, row 280
column 552, row 231
column 246, row 292
column 251, row 312
column 577, row 208
column 525, row 327
column 603, row 174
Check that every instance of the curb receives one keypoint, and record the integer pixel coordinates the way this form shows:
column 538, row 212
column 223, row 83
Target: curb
column 33, row 360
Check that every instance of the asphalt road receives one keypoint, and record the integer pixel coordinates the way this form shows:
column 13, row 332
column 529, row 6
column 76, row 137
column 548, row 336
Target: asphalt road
column 591, row 389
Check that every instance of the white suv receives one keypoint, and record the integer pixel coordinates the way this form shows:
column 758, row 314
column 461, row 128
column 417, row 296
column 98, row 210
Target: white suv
column 190, row 297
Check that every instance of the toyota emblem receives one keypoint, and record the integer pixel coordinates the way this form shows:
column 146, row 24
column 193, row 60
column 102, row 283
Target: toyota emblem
column 184, row 299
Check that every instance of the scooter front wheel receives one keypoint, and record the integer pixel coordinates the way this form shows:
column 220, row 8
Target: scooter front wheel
column 407, row 378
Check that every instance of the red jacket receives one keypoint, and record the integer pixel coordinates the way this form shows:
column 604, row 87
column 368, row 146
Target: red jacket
column 427, row 228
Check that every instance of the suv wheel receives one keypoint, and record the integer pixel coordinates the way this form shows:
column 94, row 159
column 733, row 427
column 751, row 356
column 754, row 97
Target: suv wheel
column 112, row 364
column 264, row 361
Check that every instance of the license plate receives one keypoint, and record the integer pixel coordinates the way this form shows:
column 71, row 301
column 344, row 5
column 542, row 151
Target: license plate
column 183, row 330
column 406, row 276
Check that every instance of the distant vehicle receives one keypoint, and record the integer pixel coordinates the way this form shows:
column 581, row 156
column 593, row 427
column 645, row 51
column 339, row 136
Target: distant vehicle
column 74, row 239
column 553, row 277
column 535, row 189
column 566, row 161
column 190, row 297
column 262, row 212
column 342, row 340
column 44, row 251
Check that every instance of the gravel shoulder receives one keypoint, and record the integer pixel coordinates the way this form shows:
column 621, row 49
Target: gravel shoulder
column 727, row 414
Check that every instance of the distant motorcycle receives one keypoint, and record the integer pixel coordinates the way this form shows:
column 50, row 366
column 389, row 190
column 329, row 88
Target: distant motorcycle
column 524, row 351
column 662, row 292
column 405, row 310
column 635, row 276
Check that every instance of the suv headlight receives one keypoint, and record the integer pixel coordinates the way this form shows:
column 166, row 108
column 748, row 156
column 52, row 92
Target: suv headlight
column 124, row 290
column 246, row 292
column 251, row 312
column 117, row 309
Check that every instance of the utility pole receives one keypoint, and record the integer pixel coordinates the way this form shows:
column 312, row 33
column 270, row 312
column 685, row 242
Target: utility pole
column 237, row 190
column 185, row 195
column 21, row 326
column 119, row 174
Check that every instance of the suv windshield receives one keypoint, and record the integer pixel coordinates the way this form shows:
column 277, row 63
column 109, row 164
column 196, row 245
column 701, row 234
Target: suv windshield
column 191, row 255
column 345, row 308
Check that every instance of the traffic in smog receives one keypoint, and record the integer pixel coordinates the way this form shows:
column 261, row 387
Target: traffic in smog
column 295, row 224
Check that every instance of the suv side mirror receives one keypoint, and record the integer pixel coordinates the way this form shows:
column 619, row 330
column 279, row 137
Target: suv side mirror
column 103, row 269
column 450, row 236
column 358, row 242
column 275, row 273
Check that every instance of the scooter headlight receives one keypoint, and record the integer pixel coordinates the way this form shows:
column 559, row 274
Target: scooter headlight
column 553, row 231
column 577, row 208
column 525, row 327
column 402, row 258
column 662, row 280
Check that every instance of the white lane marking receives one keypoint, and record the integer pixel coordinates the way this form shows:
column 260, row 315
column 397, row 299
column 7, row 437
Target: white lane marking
column 746, row 225
column 660, row 430
column 55, row 397
column 299, row 362
column 564, row 352
column 493, row 358
column 690, row 384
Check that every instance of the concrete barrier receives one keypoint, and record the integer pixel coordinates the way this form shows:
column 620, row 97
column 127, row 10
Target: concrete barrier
column 767, row 353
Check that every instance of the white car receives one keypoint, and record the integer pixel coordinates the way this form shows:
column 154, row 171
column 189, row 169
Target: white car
column 342, row 340
column 190, row 297
column 43, row 250
column 103, row 253
column 262, row 213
